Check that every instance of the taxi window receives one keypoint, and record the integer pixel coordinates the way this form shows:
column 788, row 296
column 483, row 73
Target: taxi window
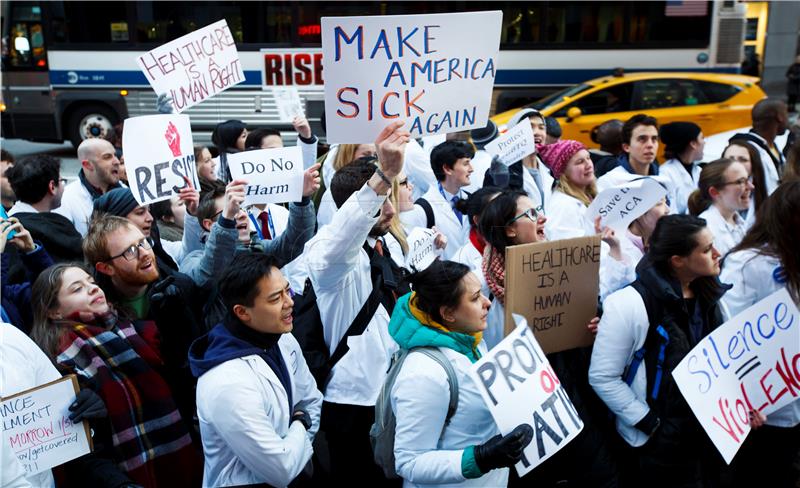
column 718, row 92
column 666, row 93
column 611, row 100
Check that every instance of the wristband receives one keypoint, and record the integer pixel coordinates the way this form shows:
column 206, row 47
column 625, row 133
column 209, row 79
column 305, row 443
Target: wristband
column 383, row 176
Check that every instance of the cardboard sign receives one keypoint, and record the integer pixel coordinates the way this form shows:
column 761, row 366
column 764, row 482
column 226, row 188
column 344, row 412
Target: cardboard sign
column 620, row 205
column 287, row 99
column 36, row 426
column 435, row 72
column 514, row 145
column 421, row 250
column 554, row 285
column 751, row 362
column 519, row 387
column 194, row 67
column 159, row 156
column 273, row 175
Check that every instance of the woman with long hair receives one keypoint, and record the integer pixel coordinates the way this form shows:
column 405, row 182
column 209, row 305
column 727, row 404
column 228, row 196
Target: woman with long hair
column 684, row 143
column 77, row 328
column 723, row 190
column 337, row 158
column 471, row 253
column 743, row 152
column 229, row 137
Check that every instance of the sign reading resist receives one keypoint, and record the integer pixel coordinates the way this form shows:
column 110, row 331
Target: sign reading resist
column 514, row 145
column 435, row 72
column 620, row 205
column 751, row 362
column 159, row 156
column 519, row 387
column 272, row 175
column 194, row 67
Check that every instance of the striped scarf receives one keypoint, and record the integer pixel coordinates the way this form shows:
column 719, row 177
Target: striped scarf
column 494, row 270
column 150, row 441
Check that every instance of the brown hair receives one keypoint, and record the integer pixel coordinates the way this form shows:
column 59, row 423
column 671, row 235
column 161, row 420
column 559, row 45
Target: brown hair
column 44, row 297
column 96, row 241
column 792, row 171
column 756, row 170
column 712, row 176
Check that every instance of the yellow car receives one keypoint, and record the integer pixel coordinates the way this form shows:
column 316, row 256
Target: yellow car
column 716, row 102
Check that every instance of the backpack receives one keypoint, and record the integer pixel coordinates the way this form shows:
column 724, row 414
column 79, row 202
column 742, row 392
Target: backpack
column 381, row 435
column 657, row 339
column 430, row 218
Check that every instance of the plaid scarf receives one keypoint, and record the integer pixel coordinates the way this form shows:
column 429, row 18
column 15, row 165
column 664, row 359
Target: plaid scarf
column 494, row 269
column 151, row 442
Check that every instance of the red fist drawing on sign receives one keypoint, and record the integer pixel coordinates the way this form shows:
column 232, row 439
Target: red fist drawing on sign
column 173, row 139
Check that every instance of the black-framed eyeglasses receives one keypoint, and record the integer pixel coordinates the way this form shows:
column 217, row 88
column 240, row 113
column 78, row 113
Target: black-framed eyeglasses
column 739, row 182
column 531, row 213
column 132, row 252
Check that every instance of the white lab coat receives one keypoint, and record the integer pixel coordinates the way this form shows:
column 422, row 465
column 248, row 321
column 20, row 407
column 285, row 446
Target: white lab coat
column 279, row 214
column 417, row 167
column 567, row 217
column 682, row 184
column 529, row 185
column 248, row 436
column 77, row 206
column 771, row 177
column 726, row 236
column 446, row 222
column 753, row 278
column 188, row 243
column 426, row 452
column 340, row 273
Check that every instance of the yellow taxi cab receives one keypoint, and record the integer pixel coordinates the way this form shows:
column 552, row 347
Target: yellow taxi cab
column 716, row 102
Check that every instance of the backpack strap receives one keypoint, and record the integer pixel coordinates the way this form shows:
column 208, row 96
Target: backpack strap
column 663, row 342
column 430, row 219
column 746, row 136
column 452, row 379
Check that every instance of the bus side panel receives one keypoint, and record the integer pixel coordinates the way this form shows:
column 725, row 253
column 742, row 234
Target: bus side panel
column 29, row 106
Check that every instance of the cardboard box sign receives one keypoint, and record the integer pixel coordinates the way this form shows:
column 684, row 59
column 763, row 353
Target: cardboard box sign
column 555, row 286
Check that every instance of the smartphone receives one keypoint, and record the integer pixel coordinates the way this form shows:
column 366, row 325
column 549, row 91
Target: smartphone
column 4, row 216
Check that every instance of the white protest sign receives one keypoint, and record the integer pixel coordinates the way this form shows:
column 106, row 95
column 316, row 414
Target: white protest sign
column 751, row 362
column 194, row 67
column 287, row 99
column 37, row 428
column 620, row 205
column 421, row 250
column 435, row 72
column 273, row 175
column 514, row 145
column 519, row 387
column 159, row 156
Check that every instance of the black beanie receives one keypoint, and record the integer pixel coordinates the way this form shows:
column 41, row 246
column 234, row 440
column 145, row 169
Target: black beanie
column 119, row 202
column 484, row 135
column 678, row 135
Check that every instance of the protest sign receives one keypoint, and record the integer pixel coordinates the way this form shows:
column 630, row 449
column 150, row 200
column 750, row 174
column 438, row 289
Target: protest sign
column 421, row 250
column 620, row 205
column 554, row 285
column 272, row 175
column 194, row 67
column 287, row 99
column 519, row 387
column 37, row 428
column 751, row 362
column 514, row 145
column 159, row 156
column 435, row 72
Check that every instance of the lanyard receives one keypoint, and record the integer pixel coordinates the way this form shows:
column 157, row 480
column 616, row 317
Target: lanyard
column 258, row 227
column 441, row 190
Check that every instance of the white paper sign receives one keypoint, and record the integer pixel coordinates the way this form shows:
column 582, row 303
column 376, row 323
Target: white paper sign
column 194, row 67
column 272, row 175
column 421, row 250
column 287, row 99
column 514, row 145
column 435, row 72
column 620, row 205
column 751, row 362
column 519, row 386
column 37, row 428
column 159, row 156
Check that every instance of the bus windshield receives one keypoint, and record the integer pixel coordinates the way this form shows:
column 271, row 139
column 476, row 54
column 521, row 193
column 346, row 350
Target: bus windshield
column 559, row 96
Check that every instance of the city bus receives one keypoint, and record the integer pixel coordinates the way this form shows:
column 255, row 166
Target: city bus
column 69, row 67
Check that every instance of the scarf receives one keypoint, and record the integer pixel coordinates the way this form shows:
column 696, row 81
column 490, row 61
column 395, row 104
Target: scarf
column 494, row 270
column 428, row 321
column 150, row 441
column 477, row 240
column 94, row 192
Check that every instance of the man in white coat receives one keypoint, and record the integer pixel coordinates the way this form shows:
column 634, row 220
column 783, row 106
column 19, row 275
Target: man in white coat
column 257, row 403
column 451, row 162
column 770, row 119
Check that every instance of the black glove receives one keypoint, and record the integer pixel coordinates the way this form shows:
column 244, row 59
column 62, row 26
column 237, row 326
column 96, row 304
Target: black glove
column 303, row 417
column 163, row 290
column 87, row 405
column 503, row 451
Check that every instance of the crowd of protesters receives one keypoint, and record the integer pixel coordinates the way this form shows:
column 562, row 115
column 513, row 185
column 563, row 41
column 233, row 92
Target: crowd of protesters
column 218, row 344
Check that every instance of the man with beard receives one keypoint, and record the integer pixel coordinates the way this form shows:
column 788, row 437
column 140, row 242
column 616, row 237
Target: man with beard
column 100, row 172
column 352, row 274
column 126, row 269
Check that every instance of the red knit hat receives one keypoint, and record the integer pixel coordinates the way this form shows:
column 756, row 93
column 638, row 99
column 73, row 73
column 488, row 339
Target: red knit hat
column 557, row 155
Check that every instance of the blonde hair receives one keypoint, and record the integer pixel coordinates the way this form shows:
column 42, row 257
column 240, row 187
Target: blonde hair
column 396, row 226
column 344, row 155
column 585, row 196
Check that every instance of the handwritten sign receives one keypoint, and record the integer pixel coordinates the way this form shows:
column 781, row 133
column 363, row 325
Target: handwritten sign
column 159, row 156
column 514, row 145
column 421, row 250
column 554, row 285
column 194, row 67
column 37, row 428
column 751, row 362
column 435, row 72
column 621, row 204
column 287, row 99
column 519, row 387
column 273, row 175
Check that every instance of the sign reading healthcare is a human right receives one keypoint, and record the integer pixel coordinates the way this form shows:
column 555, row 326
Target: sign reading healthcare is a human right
column 435, row 72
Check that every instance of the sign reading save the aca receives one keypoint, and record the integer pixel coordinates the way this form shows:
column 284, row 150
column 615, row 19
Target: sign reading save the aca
column 435, row 72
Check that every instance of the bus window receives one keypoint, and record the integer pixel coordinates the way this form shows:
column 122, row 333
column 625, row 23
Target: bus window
column 24, row 46
column 85, row 23
column 654, row 22
column 585, row 22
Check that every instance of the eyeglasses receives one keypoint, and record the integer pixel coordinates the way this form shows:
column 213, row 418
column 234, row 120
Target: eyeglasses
column 531, row 213
column 132, row 252
column 739, row 182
